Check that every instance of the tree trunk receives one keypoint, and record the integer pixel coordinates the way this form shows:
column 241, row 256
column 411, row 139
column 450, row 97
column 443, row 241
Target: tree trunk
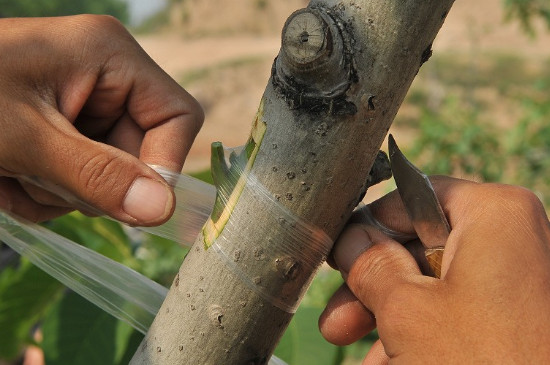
column 343, row 71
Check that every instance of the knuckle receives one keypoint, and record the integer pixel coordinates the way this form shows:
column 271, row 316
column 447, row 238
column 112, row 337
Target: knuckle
column 514, row 198
column 96, row 29
column 100, row 21
column 99, row 174
column 198, row 119
column 374, row 262
column 380, row 259
column 193, row 113
column 369, row 275
column 188, row 118
column 404, row 306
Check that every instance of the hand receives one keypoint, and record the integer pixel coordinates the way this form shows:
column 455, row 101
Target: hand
column 492, row 304
column 84, row 107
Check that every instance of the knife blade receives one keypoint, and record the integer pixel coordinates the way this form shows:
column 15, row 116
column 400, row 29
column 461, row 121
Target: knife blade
column 421, row 204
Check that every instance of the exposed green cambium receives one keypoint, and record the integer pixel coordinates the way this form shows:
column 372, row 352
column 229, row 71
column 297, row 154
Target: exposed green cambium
column 230, row 180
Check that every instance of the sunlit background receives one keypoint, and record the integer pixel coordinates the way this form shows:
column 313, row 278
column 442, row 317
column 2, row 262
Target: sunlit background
column 479, row 109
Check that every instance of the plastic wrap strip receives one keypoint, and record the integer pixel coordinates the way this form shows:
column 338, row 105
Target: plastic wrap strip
column 115, row 288
column 194, row 202
column 295, row 245
column 300, row 231
column 363, row 215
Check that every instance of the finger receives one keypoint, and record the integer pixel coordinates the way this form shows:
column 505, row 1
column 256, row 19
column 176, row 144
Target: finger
column 374, row 265
column 118, row 184
column 384, row 276
column 15, row 200
column 376, row 355
column 127, row 136
column 44, row 197
column 351, row 243
column 159, row 126
column 172, row 120
column 345, row 319
column 105, row 177
column 454, row 197
column 129, row 85
column 390, row 211
column 169, row 116
column 122, row 133
column 415, row 248
column 418, row 251
column 364, row 216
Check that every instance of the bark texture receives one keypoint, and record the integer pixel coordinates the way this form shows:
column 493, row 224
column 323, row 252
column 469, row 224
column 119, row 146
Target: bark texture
column 342, row 73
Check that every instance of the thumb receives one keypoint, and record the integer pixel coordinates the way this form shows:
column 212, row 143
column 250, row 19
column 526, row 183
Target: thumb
column 110, row 180
column 374, row 266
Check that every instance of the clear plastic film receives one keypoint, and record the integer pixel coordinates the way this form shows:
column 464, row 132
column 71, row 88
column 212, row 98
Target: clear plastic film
column 294, row 250
column 363, row 215
column 194, row 202
column 290, row 249
column 115, row 288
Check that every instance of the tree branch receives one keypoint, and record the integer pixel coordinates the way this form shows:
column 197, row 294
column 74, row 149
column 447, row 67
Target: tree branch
column 343, row 71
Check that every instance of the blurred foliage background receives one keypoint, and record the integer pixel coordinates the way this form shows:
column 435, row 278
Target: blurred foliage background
column 479, row 114
column 43, row 8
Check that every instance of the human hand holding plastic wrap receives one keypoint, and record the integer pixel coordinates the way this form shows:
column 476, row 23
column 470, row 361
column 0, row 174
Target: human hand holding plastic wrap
column 86, row 108
column 115, row 288
column 112, row 286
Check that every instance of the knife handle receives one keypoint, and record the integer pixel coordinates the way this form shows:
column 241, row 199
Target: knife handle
column 434, row 257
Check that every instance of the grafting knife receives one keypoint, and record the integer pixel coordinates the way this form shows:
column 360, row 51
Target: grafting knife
column 422, row 206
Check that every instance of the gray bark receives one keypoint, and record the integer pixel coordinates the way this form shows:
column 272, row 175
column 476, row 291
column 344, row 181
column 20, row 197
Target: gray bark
column 342, row 73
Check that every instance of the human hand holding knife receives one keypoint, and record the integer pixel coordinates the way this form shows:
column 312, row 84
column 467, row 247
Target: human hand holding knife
column 492, row 304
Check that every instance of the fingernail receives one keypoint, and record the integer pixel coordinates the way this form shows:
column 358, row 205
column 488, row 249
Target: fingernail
column 351, row 244
column 5, row 203
column 147, row 200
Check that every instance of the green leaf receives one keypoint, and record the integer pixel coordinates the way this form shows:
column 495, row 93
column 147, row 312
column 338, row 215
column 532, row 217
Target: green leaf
column 132, row 338
column 78, row 333
column 303, row 344
column 159, row 258
column 26, row 292
column 99, row 234
column 326, row 282
column 204, row 175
